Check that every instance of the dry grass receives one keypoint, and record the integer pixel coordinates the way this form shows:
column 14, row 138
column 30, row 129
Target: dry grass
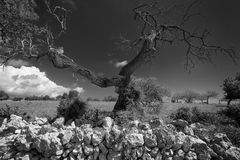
column 48, row 108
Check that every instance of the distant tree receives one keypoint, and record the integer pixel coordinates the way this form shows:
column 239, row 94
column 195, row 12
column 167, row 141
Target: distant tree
column 3, row 95
column 17, row 99
column 64, row 96
column 149, row 89
column 202, row 97
column 59, row 97
column 89, row 99
column 176, row 97
column 210, row 94
column 27, row 33
column 189, row 96
column 110, row 99
column 96, row 99
column 73, row 94
column 45, row 98
column 231, row 88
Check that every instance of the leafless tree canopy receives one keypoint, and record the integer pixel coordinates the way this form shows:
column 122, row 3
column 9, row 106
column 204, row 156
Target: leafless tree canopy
column 23, row 36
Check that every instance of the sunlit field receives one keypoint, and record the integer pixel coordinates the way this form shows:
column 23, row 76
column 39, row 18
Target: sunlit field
column 48, row 108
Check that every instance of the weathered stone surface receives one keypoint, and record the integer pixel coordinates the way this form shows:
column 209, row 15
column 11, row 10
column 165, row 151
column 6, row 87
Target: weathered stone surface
column 147, row 156
column 103, row 149
column 96, row 152
column 88, row 150
column 191, row 156
column 233, row 153
column 102, row 156
column 48, row 144
column 65, row 136
column 150, row 140
column 40, row 121
column 135, row 139
column 114, row 156
column 77, row 149
column 178, row 141
column 58, row 123
column 154, row 152
column 107, row 123
column 97, row 136
column 155, row 140
column 22, row 143
column 78, row 135
column 15, row 123
column 179, row 155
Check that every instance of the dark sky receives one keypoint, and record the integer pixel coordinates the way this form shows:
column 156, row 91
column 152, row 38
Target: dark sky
column 94, row 26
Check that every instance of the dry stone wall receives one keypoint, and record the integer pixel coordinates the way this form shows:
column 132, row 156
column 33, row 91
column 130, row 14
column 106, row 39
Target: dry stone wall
column 155, row 140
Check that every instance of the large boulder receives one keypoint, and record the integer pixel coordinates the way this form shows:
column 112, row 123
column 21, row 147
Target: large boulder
column 16, row 122
column 48, row 144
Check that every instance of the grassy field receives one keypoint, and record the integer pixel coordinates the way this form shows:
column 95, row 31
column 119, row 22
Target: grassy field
column 48, row 108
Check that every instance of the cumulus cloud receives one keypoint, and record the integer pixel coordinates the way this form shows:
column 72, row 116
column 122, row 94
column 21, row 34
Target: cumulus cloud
column 120, row 64
column 79, row 89
column 29, row 81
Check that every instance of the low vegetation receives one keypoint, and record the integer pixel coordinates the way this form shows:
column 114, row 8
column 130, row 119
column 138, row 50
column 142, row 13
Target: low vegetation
column 226, row 120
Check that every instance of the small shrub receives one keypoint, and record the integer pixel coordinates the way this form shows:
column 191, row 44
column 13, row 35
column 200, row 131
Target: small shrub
column 71, row 109
column 122, row 118
column 8, row 111
column 182, row 113
column 17, row 99
column 233, row 133
column 195, row 115
column 232, row 112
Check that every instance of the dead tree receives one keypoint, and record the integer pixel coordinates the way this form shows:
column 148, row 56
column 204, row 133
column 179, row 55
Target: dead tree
column 35, row 42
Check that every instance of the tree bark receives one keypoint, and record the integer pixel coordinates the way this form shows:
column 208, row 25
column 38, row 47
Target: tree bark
column 128, row 96
column 61, row 61
column 229, row 101
column 207, row 100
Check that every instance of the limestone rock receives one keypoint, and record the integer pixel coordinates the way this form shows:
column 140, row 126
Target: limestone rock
column 179, row 155
column 40, row 121
column 58, row 123
column 16, row 122
column 191, row 156
column 48, row 144
column 114, row 156
column 107, row 123
column 65, row 136
column 233, row 153
column 103, row 149
column 135, row 139
column 150, row 140
column 97, row 136
column 102, row 156
column 88, row 150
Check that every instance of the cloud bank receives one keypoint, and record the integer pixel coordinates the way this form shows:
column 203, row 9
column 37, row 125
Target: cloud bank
column 29, row 81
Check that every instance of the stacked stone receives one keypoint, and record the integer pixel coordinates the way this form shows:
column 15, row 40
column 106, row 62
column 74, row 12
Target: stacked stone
column 155, row 140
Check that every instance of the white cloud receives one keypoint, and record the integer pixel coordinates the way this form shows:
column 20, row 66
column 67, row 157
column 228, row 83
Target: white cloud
column 79, row 89
column 29, row 81
column 120, row 64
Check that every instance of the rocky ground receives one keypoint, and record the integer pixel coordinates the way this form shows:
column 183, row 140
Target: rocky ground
column 154, row 140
